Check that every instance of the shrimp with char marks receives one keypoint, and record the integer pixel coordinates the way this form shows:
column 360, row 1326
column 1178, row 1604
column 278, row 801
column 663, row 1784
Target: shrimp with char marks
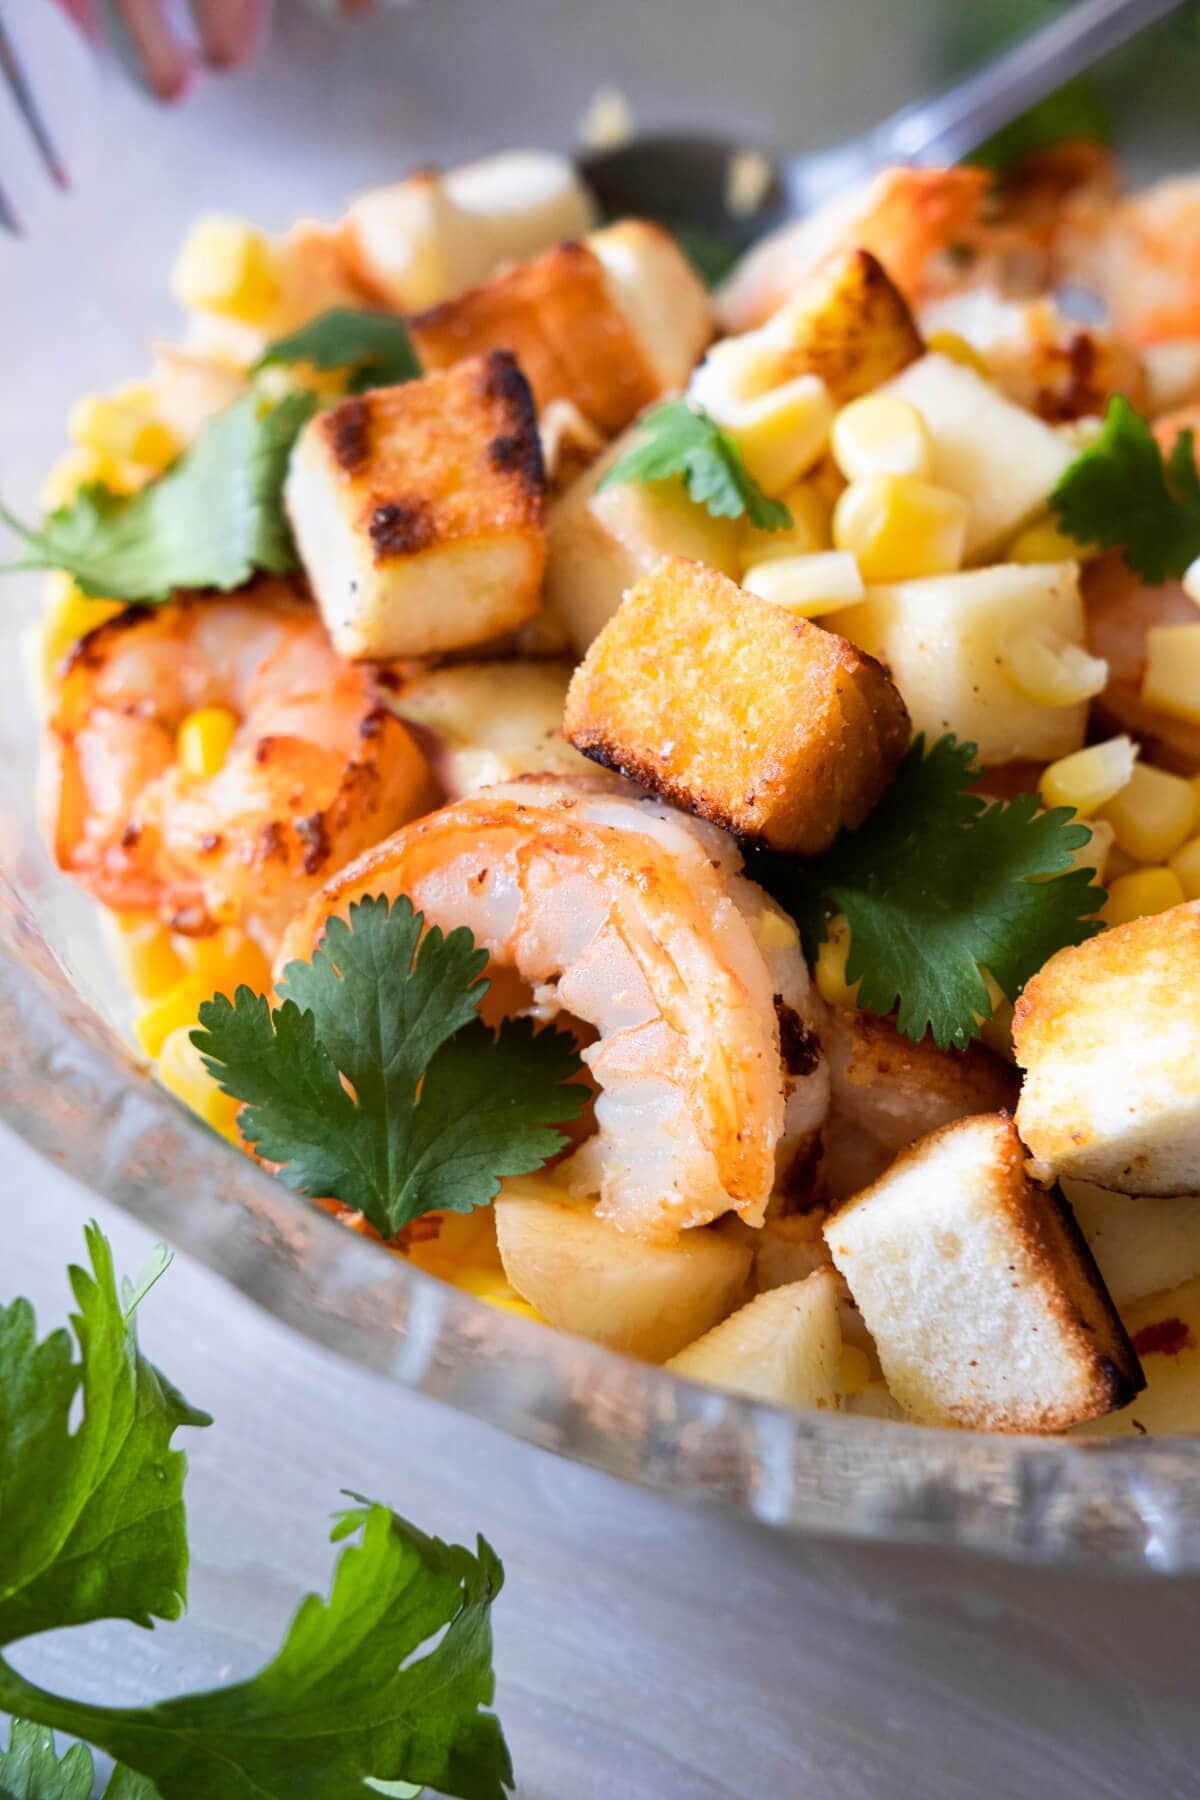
column 634, row 921
column 316, row 770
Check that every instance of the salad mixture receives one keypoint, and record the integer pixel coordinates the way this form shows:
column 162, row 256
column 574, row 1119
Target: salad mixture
column 679, row 812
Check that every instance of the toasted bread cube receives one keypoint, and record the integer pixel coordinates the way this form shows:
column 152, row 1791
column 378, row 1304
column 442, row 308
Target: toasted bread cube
column 784, row 1345
column 738, row 710
column 1108, row 1034
column 609, row 324
column 849, row 324
column 600, row 541
column 1165, row 1331
column 418, row 511
column 979, row 1289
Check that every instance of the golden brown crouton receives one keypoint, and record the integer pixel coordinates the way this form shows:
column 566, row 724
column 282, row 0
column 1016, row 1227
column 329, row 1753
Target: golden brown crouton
column 1108, row 1034
column 418, row 511
column 583, row 330
column 849, row 324
column 979, row 1289
column 738, row 710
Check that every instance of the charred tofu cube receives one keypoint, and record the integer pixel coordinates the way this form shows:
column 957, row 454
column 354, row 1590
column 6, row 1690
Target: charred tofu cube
column 736, row 709
column 1108, row 1034
column 419, row 511
column 979, row 1289
column 609, row 324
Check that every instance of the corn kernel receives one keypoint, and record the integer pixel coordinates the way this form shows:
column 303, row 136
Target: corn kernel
column 226, row 266
column 830, row 972
column 1088, row 778
column 1154, row 813
column 1117, row 863
column 881, row 434
column 808, row 585
column 147, row 958
column 123, row 425
column 1145, row 891
column 808, row 532
column 900, row 527
column 783, row 432
column 1046, row 543
column 775, row 931
column 735, row 372
column 203, row 740
column 182, row 1072
column 179, row 1006
column 1186, row 864
column 1172, row 678
column 956, row 347
column 80, row 468
column 497, row 1292
column 1061, row 674
column 224, row 961
column 69, row 616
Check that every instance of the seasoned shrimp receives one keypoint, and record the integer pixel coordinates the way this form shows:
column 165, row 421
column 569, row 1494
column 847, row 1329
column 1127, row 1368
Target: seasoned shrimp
column 634, row 921
column 317, row 768
column 1140, row 254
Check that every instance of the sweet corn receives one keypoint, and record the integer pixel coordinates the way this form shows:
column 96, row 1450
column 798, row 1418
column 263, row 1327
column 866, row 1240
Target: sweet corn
column 203, row 739
column 497, row 1292
column 1154, row 813
column 148, row 960
column 1060, row 674
column 179, row 1006
column 830, row 972
column 1172, row 678
column 735, row 372
column 808, row 585
column 900, row 527
column 783, row 432
column 1046, row 543
column 881, row 434
column 1145, row 891
column 808, row 532
column 69, row 616
column 1186, row 864
column 1190, row 582
column 773, row 931
column 956, row 347
column 1088, row 778
column 80, row 468
column 181, row 1070
column 123, row 425
column 226, row 266
column 224, row 961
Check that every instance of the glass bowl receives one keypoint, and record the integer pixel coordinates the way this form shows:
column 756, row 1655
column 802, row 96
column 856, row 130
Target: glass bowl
column 331, row 110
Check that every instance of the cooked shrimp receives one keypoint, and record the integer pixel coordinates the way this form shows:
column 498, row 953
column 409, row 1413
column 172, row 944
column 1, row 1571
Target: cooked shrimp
column 1121, row 608
column 634, row 921
column 1140, row 254
column 316, row 771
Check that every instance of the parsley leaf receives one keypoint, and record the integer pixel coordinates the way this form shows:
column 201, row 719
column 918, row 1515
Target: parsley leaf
column 91, row 1520
column 373, row 346
column 440, row 1109
column 1120, row 491
column 680, row 438
column 937, row 883
column 213, row 519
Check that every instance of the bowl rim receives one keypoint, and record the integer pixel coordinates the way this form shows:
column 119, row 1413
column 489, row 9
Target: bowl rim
column 74, row 1091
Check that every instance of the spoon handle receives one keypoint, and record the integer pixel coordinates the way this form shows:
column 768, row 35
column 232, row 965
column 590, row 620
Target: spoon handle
column 947, row 125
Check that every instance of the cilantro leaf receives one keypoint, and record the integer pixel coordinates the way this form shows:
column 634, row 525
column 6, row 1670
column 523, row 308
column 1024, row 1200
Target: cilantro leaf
column 373, row 346
column 343, row 1700
column 1120, row 491
column 440, row 1108
column 680, row 438
column 937, row 883
column 91, row 1520
column 213, row 519
column 30, row 1770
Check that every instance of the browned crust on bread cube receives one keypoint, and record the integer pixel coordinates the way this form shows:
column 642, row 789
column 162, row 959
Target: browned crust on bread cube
column 556, row 313
column 851, row 325
column 736, row 709
column 980, row 1290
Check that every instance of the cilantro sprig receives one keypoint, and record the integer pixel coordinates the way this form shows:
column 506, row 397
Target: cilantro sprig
column 381, row 1687
column 439, row 1107
column 937, row 884
column 373, row 347
column 1121, row 491
column 680, row 438
column 213, row 519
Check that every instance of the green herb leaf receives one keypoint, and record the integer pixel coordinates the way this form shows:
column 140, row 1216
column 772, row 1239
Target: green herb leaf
column 441, row 1108
column 1120, row 491
column 937, row 884
column 679, row 438
column 91, row 1520
column 213, row 519
column 374, row 347
column 30, row 1770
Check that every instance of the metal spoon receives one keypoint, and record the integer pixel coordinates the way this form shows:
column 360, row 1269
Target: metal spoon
column 683, row 179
